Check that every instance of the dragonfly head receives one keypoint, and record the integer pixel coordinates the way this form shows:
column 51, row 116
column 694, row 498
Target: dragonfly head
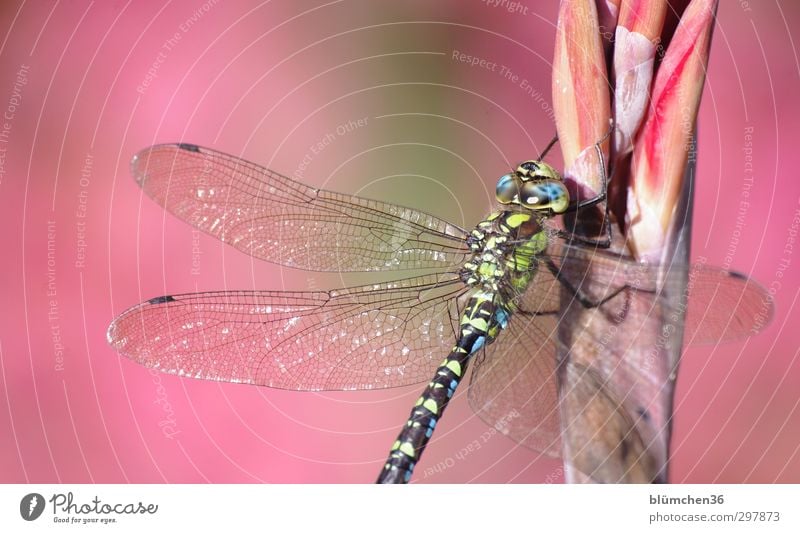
column 534, row 185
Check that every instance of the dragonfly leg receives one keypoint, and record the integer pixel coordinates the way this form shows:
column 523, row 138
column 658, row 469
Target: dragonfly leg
column 602, row 196
column 576, row 292
column 573, row 238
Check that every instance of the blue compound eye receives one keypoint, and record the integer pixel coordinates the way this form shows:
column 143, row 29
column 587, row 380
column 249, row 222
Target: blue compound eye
column 547, row 194
column 507, row 189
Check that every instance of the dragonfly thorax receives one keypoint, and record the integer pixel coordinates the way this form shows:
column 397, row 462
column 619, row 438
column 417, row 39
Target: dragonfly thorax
column 504, row 248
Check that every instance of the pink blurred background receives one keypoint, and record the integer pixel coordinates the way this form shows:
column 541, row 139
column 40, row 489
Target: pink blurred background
column 267, row 82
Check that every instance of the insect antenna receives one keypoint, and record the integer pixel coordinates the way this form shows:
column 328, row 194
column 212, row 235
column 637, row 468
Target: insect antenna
column 547, row 148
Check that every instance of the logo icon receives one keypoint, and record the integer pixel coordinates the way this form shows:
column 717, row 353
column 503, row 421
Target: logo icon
column 31, row 506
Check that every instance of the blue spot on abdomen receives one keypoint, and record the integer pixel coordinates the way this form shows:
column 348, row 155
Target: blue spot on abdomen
column 478, row 344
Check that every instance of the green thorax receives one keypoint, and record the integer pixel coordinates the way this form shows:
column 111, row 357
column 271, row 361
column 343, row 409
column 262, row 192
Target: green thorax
column 505, row 247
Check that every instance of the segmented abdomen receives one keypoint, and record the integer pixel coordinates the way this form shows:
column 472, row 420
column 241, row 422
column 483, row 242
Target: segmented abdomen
column 480, row 323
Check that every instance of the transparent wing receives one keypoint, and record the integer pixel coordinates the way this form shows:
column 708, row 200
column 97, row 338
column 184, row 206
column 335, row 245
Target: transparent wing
column 277, row 219
column 719, row 305
column 373, row 336
column 724, row 306
column 513, row 385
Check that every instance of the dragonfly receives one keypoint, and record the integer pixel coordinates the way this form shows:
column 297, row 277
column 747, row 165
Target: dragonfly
column 491, row 296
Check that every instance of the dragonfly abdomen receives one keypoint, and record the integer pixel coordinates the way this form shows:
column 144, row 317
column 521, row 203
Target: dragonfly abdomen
column 504, row 247
column 480, row 323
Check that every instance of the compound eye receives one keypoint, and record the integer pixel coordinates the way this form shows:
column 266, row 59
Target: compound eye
column 507, row 189
column 549, row 194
